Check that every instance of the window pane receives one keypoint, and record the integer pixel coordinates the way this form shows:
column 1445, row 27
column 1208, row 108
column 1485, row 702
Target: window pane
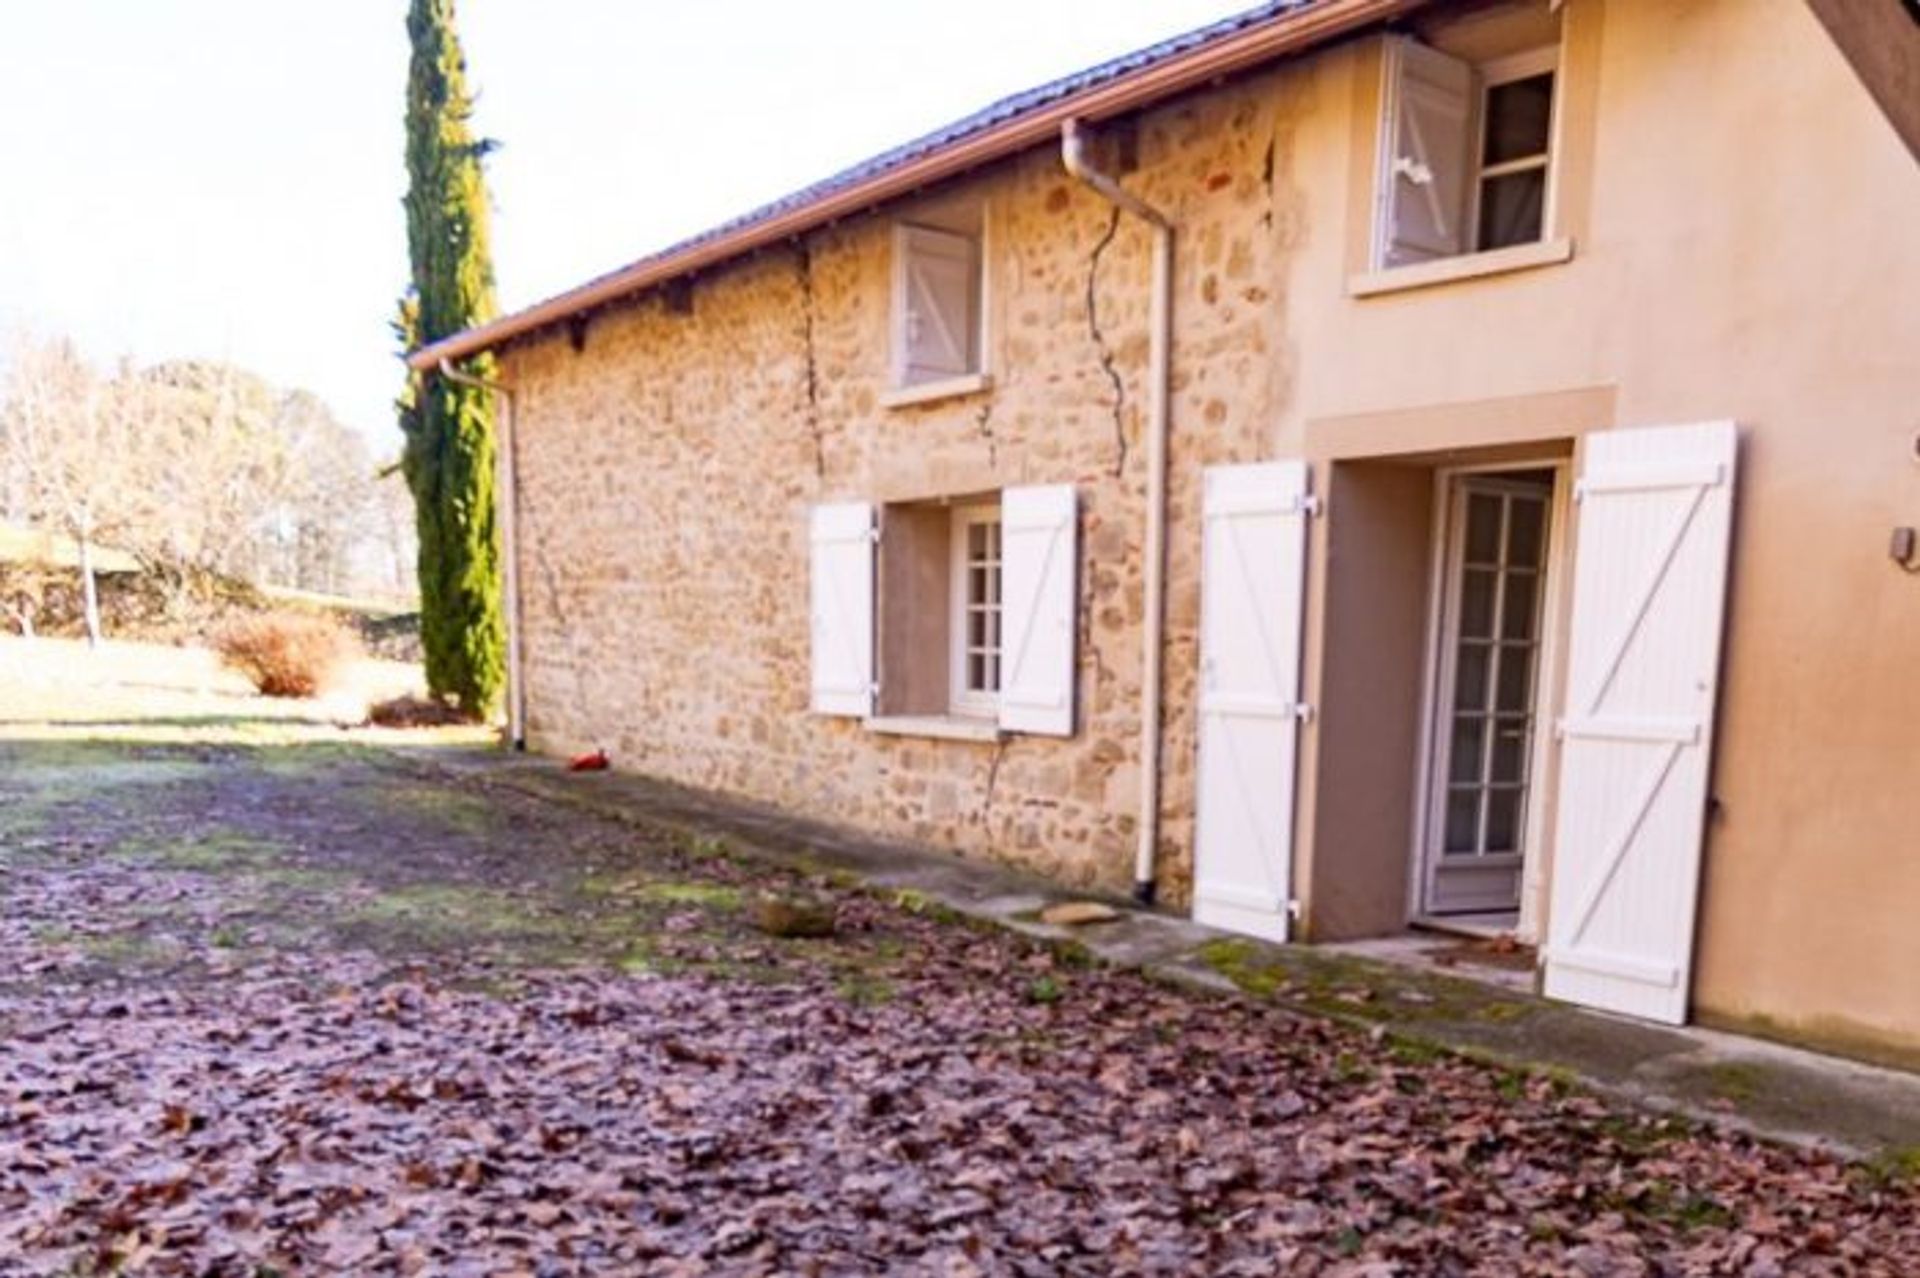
column 1509, row 751
column 976, row 672
column 1526, row 520
column 1476, row 603
column 993, row 629
column 992, row 683
column 1516, row 679
column 1463, row 821
column 1519, row 118
column 976, row 542
column 976, row 628
column 1517, row 608
column 1483, row 529
column 1503, row 820
column 1470, row 676
column 1469, row 738
column 1511, row 208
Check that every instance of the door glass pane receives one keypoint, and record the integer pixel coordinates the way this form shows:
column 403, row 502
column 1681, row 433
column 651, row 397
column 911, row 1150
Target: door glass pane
column 1463, row 820
column 1483, row 528
column 1470, row 676
column 1509, row 751
column 1511, row 208
column 1503, row 820
column 1476, row 603
column 1464, row 755
column 1526, row 520
column 1517, row 608
column 1516, row 678
column 1519, row 118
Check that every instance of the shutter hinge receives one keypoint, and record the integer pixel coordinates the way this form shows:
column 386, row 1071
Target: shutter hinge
column 873, row 535
column 1293, row 909
column 1309, row 504
column 1303, row 712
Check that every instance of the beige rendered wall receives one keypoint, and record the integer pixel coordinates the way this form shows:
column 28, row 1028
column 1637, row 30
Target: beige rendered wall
column 1742, row 220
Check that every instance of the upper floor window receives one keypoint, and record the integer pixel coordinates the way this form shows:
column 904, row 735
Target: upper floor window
column 1467, row 155
column 937, row 288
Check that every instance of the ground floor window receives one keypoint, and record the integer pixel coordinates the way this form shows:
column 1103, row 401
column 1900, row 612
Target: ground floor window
column 947, row 616
column 975, row 622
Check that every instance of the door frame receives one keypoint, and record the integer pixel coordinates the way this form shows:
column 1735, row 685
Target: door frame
column 1549, row 691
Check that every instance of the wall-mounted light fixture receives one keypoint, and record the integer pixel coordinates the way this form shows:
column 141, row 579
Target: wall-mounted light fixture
column 1904, row 549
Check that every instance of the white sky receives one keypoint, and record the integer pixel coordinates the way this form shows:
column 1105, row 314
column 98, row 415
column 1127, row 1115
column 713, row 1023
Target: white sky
column 222, row 178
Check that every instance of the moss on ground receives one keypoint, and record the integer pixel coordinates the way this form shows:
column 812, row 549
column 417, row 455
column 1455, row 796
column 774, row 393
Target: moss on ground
column 210, row 850
column 1349, row 988
column 459, row 811
column 1733, row 1081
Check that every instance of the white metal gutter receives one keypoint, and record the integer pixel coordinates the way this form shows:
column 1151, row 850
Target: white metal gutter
column 1154, row 570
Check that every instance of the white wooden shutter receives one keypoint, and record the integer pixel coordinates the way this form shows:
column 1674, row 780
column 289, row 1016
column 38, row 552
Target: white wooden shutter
column 842, row 543
column 1039, row 560
column 936, row 302
column 1649, row 590
column 1252, row 596
column 1426, row 152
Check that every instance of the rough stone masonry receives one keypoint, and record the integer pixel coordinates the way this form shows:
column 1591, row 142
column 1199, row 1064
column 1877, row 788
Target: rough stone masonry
column 670, row 449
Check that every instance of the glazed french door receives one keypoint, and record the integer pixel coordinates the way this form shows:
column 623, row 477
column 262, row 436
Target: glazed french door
column 1486, row 708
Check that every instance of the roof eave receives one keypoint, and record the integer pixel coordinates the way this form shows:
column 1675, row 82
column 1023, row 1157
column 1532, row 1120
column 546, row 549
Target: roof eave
column 1289, row 33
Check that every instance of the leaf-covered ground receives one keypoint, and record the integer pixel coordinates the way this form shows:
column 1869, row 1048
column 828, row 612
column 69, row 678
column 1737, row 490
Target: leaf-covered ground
column 285, row 1009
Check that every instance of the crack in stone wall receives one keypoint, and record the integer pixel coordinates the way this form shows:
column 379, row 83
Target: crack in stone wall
column 1107, row 362
column 983, row 422
column 804, row 254
column 993, row 775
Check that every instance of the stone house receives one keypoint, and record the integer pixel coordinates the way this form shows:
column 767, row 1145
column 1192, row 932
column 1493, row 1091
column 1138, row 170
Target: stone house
column 1364, row 463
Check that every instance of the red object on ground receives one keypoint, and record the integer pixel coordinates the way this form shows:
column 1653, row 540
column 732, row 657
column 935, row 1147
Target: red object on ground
column 595, row 762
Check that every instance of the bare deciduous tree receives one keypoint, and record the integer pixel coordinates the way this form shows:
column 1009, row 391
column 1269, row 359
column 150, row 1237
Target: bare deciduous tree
column 193, row 467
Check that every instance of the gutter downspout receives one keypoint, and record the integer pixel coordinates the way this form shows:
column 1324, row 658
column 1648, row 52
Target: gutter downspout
column 508, row 508
column 1073, row 157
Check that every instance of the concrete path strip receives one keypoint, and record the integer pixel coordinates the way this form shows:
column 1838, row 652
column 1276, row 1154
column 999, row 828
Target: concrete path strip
column 1771, row 1090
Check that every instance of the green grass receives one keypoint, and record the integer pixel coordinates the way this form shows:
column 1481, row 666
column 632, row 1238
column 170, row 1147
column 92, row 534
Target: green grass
column 712, row 896
column 863, row 990
column 1045, row 990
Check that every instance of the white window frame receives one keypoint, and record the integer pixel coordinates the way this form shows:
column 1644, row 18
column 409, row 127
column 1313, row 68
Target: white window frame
column 964, row 700
column 900, row 391
column 1550, row 249
column 1437, row 674
column 1489, row 76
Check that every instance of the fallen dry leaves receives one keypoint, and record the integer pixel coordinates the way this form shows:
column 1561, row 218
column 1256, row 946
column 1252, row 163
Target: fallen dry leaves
column 968, row 1105
column 388, row 1123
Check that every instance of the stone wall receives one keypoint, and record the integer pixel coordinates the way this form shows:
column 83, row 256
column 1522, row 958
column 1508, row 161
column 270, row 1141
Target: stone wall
column 669, row 456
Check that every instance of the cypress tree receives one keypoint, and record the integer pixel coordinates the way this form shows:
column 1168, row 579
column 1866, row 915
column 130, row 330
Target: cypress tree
column 449, row 454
